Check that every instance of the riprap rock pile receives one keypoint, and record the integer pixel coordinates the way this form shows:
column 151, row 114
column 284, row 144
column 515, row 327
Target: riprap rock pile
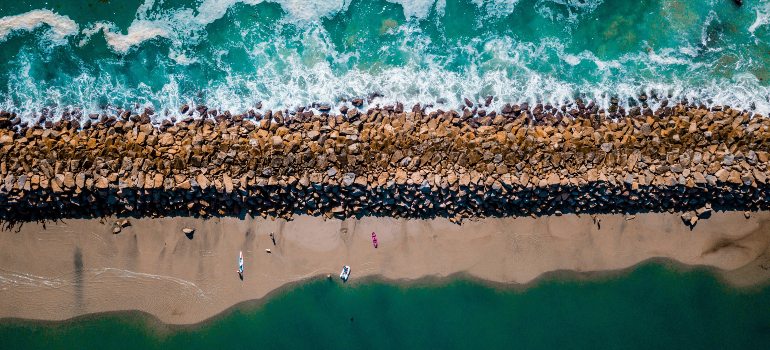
column 386, row 162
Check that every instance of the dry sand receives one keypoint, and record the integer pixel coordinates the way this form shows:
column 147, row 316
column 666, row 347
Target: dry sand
column 70, row 268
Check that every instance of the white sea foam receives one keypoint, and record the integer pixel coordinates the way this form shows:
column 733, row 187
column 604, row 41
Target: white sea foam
column 181, row 58
column 12, row 279
column 286, row 77
column 89, row 31
column 496, row 8
column 565, row 10
column 763, row 16
column 420, row 8
column 60, row 26
column 668, row 57
column 109, row 274
column 183, row 25
column 507, row 75
column 138, row 32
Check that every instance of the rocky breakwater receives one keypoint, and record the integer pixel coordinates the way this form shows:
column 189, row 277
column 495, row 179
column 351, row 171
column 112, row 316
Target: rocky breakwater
column 385, row 162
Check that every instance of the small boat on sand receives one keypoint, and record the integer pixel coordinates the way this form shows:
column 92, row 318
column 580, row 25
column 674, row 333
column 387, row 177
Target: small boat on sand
column 345, row 273
column 240, row 262
column 374, row 239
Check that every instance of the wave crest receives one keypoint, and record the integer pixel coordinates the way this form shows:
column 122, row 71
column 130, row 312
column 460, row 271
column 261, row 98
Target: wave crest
column 60, row 26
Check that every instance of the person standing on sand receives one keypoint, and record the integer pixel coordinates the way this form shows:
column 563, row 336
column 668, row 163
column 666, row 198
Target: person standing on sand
column 272, row 238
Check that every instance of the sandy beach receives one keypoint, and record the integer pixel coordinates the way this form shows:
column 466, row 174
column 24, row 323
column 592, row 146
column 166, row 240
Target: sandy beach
column 65, row 269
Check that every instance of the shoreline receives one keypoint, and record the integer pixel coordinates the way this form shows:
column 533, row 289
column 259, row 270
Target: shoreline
column 570, row 276
column 152, row 267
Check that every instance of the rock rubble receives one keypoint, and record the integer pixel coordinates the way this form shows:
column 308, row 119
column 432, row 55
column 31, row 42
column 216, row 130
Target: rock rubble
column 387, row 162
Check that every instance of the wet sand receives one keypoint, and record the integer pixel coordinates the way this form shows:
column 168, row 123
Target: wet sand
column 65, row 269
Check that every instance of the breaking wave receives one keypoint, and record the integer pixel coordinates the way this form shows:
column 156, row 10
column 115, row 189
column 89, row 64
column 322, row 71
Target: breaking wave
column 233, row 54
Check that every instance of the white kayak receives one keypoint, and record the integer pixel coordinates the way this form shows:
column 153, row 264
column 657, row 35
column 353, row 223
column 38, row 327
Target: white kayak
column 345, row 273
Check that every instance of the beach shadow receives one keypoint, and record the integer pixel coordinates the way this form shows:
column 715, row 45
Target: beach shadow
column 240, row 275
column 77, row 260
column 190, row 235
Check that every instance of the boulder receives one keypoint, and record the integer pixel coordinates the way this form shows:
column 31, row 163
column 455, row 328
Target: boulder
column 703, row 210
column 80, row 180
column 6, row 140
column 465, row 179
column 401, row 177
column 735, row 177
column 227, row 181
column 348, row 179
column 102, row 182
column 728, row 160
column 451, row 178
column 722, row 175
column 552, row 180
column 276, row 141
column 203, row 182
column 646, row 129
column 166, row 139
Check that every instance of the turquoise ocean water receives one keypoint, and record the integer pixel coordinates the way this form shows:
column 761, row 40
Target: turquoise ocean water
column 232, row 54
column 654, row 306
column 229, row 54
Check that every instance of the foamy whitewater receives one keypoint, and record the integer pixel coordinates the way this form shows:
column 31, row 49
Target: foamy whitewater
column 231, row 55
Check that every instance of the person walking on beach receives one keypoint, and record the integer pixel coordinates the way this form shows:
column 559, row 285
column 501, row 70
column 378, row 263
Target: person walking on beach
column 272, row 238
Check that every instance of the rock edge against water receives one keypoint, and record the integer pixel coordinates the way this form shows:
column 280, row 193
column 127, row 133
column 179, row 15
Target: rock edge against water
column 386, row 162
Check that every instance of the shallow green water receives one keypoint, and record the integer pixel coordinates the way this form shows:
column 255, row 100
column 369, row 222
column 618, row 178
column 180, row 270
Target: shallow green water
column 653, row 306
column 231, row 54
